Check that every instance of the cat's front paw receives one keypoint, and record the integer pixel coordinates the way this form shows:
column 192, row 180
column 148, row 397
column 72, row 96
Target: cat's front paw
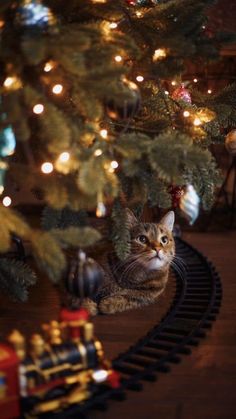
column 111, row 305
column 91, row 306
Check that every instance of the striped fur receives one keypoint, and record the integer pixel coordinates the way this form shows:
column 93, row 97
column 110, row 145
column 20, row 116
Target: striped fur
column 142, row 277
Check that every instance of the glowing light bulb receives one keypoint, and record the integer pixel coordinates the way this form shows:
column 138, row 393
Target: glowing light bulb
column 64, row 157
column 209, row 91
column 197, row 122
column 186, row 114
column 114, row 164
column 48, row 66
column 100, row 376
column 9, row 81
column 47, row 167
column 57, row 89
column 12, row 83
column 159, row 54
column 113, row 25
column 140, row 79
column 98, row 152
column 118, row 58
column 38, row 109
column 101, row 210
column 7, row 201
column 195, row 80
column 173, row 83
column 104, row 133
column 166, row 92
column 138, row 14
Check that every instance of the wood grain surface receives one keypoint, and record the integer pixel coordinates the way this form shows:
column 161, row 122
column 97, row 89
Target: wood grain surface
column 202, row 386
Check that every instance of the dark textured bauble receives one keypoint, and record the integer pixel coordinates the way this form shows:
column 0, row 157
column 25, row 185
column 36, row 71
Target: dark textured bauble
column 83, row 277
column 124, row 108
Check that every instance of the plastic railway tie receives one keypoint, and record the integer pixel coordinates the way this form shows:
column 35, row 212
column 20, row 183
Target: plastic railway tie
column 197, row 301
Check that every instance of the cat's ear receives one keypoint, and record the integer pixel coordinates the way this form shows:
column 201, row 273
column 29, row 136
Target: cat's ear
column 168, row 220
column 131, row 219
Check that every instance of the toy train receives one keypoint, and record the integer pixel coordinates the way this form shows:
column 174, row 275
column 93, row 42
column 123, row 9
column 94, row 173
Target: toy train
column 63, row 368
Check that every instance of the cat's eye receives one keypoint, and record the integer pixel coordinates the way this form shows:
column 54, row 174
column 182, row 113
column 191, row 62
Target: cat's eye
column 164, row 240
column 143, row 239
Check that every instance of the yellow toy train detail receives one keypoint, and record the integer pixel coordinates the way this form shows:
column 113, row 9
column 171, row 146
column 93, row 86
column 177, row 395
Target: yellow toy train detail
column 61, row 368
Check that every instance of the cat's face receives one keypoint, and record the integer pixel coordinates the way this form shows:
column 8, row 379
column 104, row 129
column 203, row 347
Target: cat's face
column 152, row 251
column 152, row 245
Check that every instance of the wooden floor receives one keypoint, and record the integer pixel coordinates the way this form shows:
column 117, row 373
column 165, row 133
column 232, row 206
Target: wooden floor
column 202, row 386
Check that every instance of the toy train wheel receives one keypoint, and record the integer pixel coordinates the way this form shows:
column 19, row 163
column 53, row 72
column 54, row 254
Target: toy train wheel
column 30, row 402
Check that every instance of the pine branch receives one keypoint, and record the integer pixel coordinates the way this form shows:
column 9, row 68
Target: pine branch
column 120, row 231
column 76, row 237
column 15, row 278
column 64, row 218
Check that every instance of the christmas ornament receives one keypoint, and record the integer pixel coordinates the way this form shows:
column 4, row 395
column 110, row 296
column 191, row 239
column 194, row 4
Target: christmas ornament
column 126, row 106
column 33, row 14
column 181, row 93
column 144, row 3
column 84, row 276
column 189, row 204
column 230, row 142
column 7, row 142
column 3, row 169
column 176, row 192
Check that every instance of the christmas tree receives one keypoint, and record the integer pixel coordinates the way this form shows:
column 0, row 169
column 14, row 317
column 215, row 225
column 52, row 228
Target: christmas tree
column 97, row 114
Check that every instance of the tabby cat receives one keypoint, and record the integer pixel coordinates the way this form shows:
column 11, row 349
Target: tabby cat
column 142, row 277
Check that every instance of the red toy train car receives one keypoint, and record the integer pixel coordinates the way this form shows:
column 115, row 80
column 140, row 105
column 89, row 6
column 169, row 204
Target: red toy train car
column 59, row 370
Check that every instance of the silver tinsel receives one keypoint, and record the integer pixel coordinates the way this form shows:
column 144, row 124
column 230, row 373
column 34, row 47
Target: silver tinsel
column 189, row 204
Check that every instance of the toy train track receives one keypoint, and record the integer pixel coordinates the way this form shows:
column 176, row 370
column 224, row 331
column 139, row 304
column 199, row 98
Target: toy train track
column 194, row 308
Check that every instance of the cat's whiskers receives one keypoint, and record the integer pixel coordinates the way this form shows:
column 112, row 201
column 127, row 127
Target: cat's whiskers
column 179, row 260
column 139, row 259
column 130, row 268
column 180, row 263
column 177, row 268
column 122, row 268
column 120, row 264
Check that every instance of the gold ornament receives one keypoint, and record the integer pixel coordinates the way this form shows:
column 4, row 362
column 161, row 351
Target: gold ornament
column 230, row 142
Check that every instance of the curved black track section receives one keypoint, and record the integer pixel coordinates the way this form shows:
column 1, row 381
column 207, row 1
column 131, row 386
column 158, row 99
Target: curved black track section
column 194, row 308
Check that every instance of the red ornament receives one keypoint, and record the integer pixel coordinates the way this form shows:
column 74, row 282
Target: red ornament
column 131, row 2
column 181, row 93
column 176, row 192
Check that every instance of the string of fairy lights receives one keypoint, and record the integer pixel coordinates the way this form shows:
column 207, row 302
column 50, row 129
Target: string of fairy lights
column 13, row 82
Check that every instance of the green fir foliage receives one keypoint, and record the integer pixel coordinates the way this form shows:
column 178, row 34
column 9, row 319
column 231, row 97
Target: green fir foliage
column 95, row 117
column 15, row 278
column 120, row 231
